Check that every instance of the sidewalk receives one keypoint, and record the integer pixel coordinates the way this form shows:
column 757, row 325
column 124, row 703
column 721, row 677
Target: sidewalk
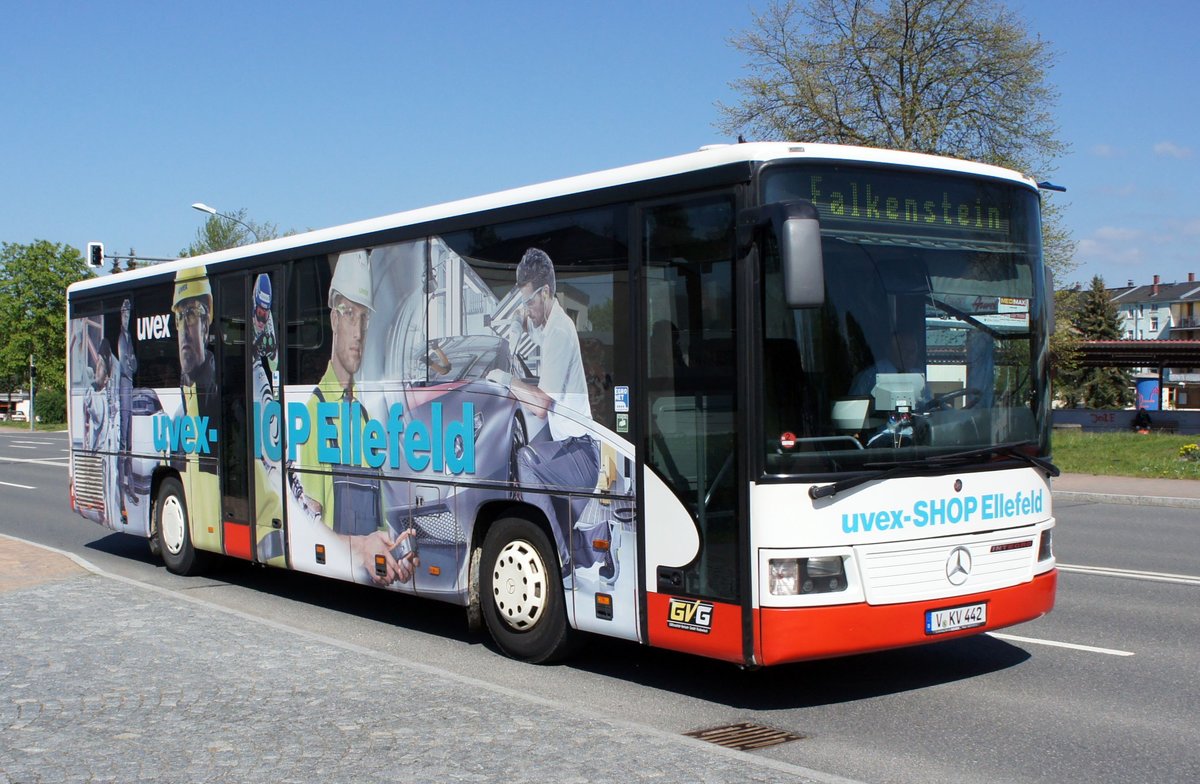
column 109, row 679
column 1127, row 490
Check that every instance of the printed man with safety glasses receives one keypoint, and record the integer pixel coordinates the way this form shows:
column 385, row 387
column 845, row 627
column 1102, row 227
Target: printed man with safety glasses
column 347, row 499
column 569, row 457
column 193, row 309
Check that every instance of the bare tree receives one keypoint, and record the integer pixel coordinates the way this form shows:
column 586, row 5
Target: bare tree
column 962, row 78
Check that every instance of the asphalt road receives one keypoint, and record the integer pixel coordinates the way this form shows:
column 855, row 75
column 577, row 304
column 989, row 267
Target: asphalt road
column 1104, row 689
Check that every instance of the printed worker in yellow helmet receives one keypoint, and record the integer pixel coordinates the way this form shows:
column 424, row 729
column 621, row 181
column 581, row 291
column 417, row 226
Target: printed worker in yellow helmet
column 193, row 309
column 347, row 499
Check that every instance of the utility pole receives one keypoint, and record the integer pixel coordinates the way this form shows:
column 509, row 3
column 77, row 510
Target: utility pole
column 32, row 380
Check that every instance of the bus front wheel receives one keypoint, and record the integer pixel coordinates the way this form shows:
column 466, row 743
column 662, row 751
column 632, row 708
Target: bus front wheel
column 171, row 534
column 521, row 592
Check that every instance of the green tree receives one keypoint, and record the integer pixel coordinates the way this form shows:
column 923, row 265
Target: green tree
column 1094, row 317
column 961, row 78
column 33, row 296
column 220, row 232
column 1064, row 341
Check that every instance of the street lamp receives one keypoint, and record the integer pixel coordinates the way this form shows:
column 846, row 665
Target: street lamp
column 212, row 211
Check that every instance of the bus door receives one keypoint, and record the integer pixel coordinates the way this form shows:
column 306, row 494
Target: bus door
column 250, row 447
column 690, row 456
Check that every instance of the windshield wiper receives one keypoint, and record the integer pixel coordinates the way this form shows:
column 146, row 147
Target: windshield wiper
column 917, row 467
column 1003, row 450
column 933, row 464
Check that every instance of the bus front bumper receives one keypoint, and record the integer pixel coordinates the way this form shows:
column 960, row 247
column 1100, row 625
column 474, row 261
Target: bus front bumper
column 802, row 633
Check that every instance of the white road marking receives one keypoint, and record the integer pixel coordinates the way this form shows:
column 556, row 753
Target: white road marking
column 23, row 487
column 1055, row 644
column 1158, row 577
column 18, row 446
column 49, row 461
column 39, row 443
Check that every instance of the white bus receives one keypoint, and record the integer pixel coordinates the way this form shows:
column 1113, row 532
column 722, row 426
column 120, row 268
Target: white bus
column 762, row 402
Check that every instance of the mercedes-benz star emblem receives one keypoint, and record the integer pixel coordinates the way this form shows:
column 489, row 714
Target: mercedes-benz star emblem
column 958, row 566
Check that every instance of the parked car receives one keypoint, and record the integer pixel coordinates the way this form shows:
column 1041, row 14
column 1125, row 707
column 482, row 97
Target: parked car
column 18, row 416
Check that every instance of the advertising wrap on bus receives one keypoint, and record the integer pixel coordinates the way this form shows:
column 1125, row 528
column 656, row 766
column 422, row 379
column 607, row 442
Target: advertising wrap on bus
column 416, row 388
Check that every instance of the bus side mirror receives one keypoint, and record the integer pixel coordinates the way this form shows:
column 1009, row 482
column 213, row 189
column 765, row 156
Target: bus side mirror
column 797, row 229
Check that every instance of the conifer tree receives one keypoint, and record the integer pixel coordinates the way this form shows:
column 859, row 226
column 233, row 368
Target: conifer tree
column 1096, row 318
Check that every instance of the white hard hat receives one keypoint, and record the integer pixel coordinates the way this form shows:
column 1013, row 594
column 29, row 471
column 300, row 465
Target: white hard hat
column 352, row 278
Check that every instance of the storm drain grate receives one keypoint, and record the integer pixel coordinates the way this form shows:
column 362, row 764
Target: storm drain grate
column 746, row 736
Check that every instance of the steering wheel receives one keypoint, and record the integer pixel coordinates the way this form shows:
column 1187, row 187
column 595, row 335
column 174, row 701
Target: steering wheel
column 946, row 401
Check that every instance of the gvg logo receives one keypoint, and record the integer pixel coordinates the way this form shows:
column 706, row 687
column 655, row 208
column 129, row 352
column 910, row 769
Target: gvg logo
column 692, row 616
column 958, row 566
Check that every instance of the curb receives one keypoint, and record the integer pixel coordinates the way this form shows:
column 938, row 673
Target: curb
column 1126, row 500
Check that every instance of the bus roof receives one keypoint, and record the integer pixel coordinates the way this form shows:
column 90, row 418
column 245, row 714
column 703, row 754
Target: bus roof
column 706, row 158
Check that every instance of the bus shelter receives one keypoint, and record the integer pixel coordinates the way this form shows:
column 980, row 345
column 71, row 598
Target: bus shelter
column 1156, row 354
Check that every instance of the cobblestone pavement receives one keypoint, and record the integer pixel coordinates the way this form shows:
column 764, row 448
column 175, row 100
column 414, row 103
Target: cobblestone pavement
column 110, row 680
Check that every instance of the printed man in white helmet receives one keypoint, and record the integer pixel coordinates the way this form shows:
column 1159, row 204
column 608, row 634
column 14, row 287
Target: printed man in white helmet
column 347, row 499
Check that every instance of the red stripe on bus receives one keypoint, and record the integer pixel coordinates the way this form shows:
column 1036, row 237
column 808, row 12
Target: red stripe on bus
column 237, row 540
column 801, row 633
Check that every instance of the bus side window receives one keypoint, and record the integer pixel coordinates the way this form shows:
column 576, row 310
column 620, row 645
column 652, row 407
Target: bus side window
column 308, row 343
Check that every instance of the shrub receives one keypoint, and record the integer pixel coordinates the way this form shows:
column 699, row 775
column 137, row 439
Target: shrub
column 50, row 405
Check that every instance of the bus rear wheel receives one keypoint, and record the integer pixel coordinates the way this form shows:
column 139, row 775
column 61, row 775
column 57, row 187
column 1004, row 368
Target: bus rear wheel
column 521, row 593
column 171, row 533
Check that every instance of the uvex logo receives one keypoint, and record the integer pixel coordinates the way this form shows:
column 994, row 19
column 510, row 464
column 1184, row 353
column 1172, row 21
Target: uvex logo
column 153, row 327
column 183, row 434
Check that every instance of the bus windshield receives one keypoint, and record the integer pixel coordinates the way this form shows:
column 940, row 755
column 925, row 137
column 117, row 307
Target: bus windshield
column 930, row 341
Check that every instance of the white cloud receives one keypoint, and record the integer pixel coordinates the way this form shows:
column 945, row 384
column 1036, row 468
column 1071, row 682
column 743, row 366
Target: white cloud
column 1105, row 151
column 1116, row 234
column 1190, row 228
column 1105, row 251
column 1172, row 150
column 1138, row 251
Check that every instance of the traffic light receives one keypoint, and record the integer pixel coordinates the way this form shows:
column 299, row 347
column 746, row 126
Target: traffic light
column 95, row 254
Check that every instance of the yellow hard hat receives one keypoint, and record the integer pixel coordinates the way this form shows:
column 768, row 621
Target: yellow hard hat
column 190, row 283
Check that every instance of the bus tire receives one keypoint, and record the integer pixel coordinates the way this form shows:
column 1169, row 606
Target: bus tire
column 171, row 531
column 521, row 592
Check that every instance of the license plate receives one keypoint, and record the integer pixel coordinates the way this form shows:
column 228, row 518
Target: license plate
column 955, row 618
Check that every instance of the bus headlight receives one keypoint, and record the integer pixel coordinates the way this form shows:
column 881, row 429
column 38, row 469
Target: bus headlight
column 784, row 576
column 1046, row 545
column 797, row 576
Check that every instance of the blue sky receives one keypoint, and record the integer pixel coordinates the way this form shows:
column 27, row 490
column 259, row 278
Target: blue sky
column 117, row 116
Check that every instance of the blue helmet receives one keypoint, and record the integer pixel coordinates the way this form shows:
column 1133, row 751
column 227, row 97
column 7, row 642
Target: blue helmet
column 262, row 292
